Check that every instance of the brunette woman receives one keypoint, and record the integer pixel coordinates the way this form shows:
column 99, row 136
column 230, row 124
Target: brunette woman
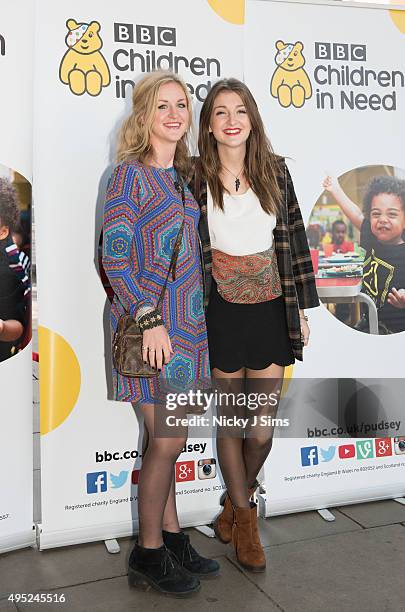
column 259, row 280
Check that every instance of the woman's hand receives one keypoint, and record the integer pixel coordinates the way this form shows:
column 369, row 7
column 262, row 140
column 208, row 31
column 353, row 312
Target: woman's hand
column 156, row 347
column 305, row 331
column 396, row 298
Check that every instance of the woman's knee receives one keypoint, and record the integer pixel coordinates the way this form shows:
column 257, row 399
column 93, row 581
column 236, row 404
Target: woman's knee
column 168, row 448
column 260, row 443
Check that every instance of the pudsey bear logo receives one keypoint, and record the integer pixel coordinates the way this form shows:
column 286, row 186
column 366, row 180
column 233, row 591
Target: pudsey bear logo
column 83, row 66
column 290, row 83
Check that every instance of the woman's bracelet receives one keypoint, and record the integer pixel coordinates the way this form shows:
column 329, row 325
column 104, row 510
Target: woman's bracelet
column 142, row 311
column 304, row 318
column 150, row 319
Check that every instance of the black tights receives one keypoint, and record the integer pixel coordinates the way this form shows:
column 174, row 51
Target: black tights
column 241, row 460
column 243, row 450
column 156, row 478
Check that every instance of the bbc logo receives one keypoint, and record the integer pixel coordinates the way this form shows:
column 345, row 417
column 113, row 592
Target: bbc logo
column 340, row 51
column 145, row 34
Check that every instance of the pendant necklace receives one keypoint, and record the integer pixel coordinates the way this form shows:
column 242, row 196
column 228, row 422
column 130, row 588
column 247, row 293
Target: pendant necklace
column 237, row 180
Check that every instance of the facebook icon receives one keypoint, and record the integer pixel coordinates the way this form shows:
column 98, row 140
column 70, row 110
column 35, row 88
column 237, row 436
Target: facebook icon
column 309, row 455
column 96, row 482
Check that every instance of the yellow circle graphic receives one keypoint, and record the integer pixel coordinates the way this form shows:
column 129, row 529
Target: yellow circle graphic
column 288, row 374
column 230, row 10
column 59, row 379
column 398, row 17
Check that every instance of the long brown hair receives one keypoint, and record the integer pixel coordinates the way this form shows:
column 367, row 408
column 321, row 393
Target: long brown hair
column 261, row 165
column 135, row 132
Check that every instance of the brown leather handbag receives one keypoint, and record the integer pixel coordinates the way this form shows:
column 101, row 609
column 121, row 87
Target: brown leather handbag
column 127, row 350
column 127, row 343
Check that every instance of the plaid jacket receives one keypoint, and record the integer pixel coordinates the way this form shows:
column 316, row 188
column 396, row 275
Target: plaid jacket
column 290, row 241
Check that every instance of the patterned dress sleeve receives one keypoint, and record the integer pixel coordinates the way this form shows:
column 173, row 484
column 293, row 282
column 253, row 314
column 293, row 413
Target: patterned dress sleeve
column 119, row 258
column 301, row 258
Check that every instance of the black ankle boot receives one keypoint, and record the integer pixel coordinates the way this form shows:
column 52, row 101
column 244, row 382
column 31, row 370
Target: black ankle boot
column 157, row 568
column 179, row 545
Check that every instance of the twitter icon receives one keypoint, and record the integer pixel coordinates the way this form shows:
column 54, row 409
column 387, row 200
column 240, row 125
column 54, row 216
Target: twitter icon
column 328, row 453
column 120, row 480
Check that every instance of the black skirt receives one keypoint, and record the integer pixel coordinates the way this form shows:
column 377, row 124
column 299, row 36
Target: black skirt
column 247, row 335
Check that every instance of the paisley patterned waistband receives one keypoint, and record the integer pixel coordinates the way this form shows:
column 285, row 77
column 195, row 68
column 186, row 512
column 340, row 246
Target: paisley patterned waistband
column 247, row 279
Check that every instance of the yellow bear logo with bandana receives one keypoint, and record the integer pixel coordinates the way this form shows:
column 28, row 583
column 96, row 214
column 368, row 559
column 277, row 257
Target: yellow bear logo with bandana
column 83, row 67
column 290, row 83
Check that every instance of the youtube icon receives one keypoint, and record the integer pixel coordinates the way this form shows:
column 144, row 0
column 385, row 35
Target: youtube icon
column 347, row 451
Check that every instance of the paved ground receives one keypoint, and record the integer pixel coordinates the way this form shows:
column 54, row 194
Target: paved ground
column 353, row 564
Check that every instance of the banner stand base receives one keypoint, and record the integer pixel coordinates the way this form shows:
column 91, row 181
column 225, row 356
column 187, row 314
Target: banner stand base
column 262, row 503
column 23, row 539
column 205, row 530
column 112, row 546
column 266, row 510
column 326, row 515
column 47, row 538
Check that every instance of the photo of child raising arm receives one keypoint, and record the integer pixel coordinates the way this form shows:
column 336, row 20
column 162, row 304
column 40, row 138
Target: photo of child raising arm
column 381, row 223
column 14, row 283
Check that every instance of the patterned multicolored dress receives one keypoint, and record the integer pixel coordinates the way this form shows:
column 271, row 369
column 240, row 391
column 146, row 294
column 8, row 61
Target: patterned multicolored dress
column 142, row 216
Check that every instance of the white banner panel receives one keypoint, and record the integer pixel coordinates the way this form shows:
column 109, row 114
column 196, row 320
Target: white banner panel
column 318, row 473
column 16, row 40
column 80, row 103
column 333, row 100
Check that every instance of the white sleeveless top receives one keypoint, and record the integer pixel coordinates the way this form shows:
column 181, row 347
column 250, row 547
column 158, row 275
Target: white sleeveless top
column 243, row 228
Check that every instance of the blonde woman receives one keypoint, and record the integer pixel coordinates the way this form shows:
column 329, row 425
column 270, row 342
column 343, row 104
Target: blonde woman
column 145, row 206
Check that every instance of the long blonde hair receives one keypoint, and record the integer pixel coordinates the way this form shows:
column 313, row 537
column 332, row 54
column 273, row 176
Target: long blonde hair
column 261, row 165
column 135, row 132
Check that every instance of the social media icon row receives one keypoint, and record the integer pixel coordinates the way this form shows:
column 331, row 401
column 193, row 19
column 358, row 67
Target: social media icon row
column 97, row 482
column 362, row 449
column 206, row 468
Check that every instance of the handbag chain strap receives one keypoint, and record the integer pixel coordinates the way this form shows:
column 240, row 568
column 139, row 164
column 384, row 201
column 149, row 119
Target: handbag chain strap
column 176, row 248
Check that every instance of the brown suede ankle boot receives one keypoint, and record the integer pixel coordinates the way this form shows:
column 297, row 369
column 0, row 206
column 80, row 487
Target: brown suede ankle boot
column 246, row 541
column 223, row 523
